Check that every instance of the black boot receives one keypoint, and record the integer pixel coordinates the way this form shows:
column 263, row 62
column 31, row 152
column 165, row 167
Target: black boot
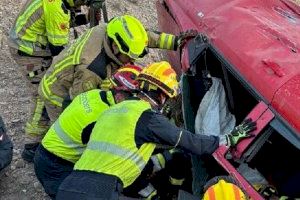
column 29, row 151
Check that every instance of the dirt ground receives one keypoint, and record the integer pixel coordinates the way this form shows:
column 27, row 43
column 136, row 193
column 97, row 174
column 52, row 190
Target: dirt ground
column 19, row 182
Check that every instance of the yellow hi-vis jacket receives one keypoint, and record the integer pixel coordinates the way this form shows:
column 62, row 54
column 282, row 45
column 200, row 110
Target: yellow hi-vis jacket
column 86, row 63
column 65, row 137
column 39, row 23
column 112, row 148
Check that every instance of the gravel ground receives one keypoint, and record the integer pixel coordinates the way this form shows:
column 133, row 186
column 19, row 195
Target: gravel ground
column 19, row 181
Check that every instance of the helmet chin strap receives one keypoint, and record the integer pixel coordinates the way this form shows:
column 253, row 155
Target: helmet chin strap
column 148, row 97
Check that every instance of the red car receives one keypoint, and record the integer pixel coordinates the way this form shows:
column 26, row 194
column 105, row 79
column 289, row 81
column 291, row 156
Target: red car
column 253, row 46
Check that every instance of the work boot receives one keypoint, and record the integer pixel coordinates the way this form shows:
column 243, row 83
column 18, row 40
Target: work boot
column 29, row 151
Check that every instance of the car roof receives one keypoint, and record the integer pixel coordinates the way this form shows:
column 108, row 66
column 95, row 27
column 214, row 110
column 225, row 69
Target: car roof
column 261, row 39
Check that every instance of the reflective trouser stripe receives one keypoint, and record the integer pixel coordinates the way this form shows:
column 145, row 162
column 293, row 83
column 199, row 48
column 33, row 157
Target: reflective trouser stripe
column 148, row 191
column 175, row 181
column 33, row 127
column 118, row 151
column 159, row 162
column 66, row 138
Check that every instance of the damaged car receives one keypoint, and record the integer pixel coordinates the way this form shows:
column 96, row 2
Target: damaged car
column 244, row 63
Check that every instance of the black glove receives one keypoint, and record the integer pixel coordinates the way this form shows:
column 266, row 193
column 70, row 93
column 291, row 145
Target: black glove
column 241, row 132
column 184, row 36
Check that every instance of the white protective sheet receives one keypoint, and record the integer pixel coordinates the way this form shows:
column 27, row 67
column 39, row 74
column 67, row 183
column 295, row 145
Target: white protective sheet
column 213, row 116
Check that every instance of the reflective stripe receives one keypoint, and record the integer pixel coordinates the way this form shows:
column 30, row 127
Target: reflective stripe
column 126, row 28
column 158, row 162
column 170, row 42
column 165, row 44
column 71, row 60
column 26, row 47
column 58, row 68
column 78, row 50
column 28, row 12
column 56, row 100
column 57, row 36
column 66, row 138
column 37, row 113
column 118, row 151
column 147, row 191
column 175, row 181
column 166, row 41
column 37, row 14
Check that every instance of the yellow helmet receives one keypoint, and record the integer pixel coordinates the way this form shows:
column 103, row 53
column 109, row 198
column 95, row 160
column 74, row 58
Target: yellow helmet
column 223, row 190
column 129, row 34
column 160, row 75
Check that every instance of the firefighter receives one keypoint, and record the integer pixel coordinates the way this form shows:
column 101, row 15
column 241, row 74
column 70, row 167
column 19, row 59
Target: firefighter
column 125, row 136
column 40, row 32
column 65, row 141
column 96, row 55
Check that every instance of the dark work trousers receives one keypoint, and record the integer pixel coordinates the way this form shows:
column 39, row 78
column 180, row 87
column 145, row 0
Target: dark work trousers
column 50, row 170
column 88, row 185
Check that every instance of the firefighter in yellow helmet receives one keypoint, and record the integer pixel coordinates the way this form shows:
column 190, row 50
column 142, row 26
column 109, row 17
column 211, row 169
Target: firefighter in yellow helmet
column 96, row 55
column 125, row 136
column 40, row 32
column 65, row 141
column 223, row 188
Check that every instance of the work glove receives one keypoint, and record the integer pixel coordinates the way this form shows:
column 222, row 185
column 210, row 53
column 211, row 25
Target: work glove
column 183, row 37
column 241, row 132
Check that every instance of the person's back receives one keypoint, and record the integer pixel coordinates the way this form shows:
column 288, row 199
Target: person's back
column 104, row 146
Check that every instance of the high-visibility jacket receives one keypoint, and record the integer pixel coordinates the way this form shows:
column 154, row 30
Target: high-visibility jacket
column 39, row 23
column 64, row 138
column 112, row 148
column 86, row 63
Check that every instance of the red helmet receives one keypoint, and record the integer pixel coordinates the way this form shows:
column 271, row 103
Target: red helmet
column 125, row 78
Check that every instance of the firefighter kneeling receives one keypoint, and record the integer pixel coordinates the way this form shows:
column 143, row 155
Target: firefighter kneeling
column 65, row 141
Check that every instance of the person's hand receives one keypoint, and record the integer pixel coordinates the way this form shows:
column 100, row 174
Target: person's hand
column 241, row 132
column 184, row 36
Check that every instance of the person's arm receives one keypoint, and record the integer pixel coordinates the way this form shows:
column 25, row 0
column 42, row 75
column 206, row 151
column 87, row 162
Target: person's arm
column 161, row 40
column 57, row 22
column 169, row 41
column 160, row 131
